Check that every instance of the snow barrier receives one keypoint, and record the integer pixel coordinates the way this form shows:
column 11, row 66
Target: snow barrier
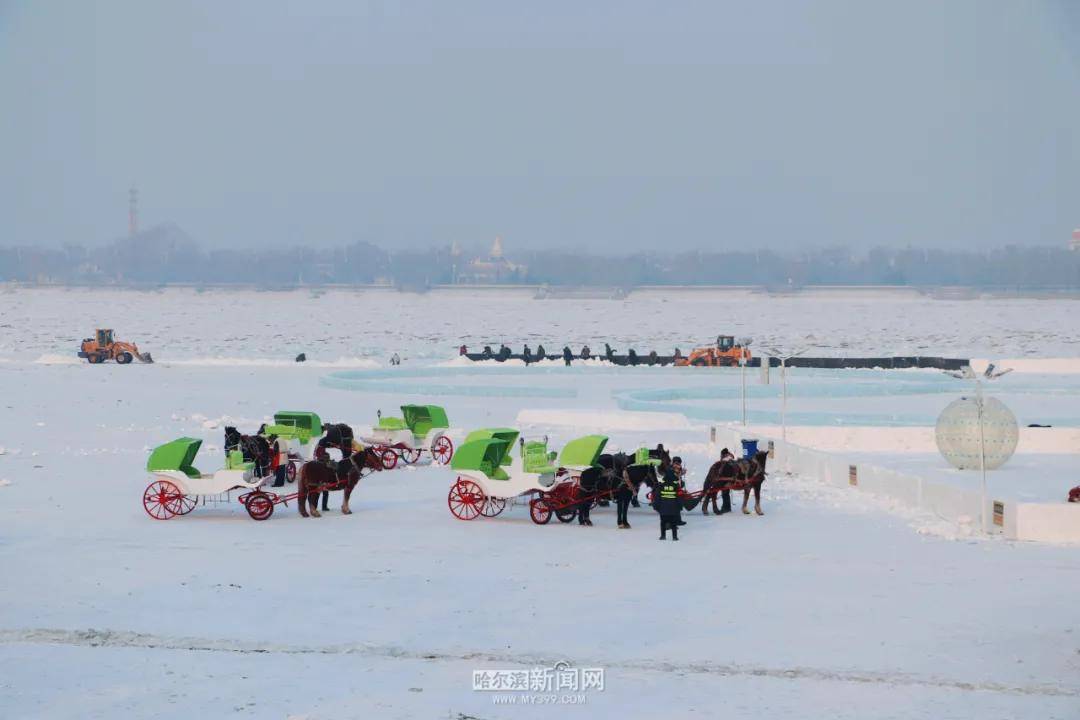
column 884, row 363
column 1041, row 522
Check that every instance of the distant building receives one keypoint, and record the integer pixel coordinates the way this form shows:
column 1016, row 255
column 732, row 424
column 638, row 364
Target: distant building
column 1075, row 243
column 491, row 270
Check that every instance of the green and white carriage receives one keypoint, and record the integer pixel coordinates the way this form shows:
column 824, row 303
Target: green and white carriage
column 302, row 430
column 420, row 429
column 178, row 486
column 490, row 473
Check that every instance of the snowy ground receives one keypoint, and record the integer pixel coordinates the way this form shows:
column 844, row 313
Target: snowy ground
column 833, row 604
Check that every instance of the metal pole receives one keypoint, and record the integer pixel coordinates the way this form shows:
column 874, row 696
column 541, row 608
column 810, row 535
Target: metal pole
column 783, row 406
column 982, row 456
column 742, row 364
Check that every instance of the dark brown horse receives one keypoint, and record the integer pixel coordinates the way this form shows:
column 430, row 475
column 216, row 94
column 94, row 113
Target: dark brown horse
column 727, row 475
column 320, row 477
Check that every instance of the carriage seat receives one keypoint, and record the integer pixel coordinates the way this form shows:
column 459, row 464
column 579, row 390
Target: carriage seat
column 234, row 460
column 641, row 457
column 391, row 423
column 537, row 460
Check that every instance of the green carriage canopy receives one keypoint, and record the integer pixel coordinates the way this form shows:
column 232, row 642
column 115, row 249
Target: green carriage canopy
column 297, row 424
column 483, row 454
column 583, row 451
column 176, row 455
column 508, row 435
column 423, row 418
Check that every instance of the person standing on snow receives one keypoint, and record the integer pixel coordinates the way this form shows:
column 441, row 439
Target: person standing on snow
column 623, row 494
column 679, row 470
column 567, row 356
column 279, row 461
column 728, row 472
column 680, row 474
column 669, row 505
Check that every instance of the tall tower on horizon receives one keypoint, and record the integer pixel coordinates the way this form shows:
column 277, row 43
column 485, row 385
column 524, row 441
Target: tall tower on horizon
column 133, row 211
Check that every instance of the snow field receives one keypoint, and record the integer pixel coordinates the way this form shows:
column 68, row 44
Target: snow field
column 836, row 603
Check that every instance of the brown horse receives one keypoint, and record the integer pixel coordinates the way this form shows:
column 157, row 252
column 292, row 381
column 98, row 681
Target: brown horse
column 319, row 477
column 727, row 475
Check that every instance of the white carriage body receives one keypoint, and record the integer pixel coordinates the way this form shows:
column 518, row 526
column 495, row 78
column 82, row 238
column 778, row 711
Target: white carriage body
column 403, row 438
column 216, row 483
column 518, row 481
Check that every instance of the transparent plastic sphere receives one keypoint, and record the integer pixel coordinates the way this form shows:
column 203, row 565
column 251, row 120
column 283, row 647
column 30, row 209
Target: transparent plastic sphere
column 957, row 433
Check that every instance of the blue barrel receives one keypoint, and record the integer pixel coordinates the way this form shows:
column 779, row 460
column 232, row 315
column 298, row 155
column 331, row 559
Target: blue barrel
column 749, row 449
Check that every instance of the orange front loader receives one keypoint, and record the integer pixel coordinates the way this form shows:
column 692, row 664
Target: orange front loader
column 103, row 347
column 724, row 353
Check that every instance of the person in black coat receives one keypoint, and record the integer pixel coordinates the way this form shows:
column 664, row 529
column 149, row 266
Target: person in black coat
column 586, row 353
column 540, row 352
column 527, row 354
column 728, row 472
column 624, row 492
column 567, row 356
column 669, row 505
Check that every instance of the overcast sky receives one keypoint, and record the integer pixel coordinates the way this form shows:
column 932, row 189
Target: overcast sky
column 601, row 125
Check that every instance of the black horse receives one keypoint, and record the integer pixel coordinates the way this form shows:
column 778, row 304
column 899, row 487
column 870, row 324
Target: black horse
column 340, row 437
column 255, row 448
column 608, row 473
column 725, row 475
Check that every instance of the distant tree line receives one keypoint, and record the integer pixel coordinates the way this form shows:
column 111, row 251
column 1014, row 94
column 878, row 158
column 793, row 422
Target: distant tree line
column 165, row 254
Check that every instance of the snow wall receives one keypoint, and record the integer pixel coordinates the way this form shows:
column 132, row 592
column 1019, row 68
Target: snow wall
column 1042, row 522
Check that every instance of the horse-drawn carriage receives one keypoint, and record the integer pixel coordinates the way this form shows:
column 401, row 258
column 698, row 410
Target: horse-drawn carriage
column 178, row 486
column 420, row 429
column 490, row 474
column 301, row 429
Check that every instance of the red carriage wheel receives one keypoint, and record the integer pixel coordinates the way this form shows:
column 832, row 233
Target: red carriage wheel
column 260, row 505
column 442, row 450
column 389, row 459
column 539, row 511
column 410, row 455
column 161, row 499
column 290, row 471
column 465, row 499
column 183, row 504
column 492, row 506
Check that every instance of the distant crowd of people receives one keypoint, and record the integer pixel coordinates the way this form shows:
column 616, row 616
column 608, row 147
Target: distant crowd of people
column 504, row 353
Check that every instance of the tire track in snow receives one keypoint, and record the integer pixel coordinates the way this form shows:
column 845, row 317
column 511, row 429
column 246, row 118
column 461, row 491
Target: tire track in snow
column 127, row 639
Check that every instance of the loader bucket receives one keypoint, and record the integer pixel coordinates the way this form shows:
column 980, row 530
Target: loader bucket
column 144, row 357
